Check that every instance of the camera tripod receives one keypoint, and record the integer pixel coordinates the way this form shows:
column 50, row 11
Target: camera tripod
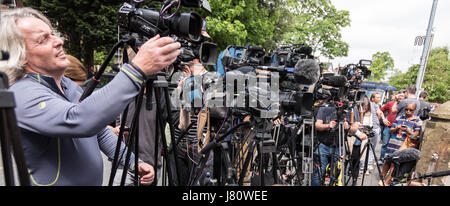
column 307, row 156
column 297, row 163
column 265, row 146
column 10, row 137
column 222, row 160
column 353, row 166
column 158, row 85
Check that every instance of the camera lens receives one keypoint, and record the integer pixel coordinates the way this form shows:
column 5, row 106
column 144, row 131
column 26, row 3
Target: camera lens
column 187, row 24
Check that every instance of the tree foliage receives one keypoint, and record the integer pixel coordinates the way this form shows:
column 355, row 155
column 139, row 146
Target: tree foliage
column 318, row 23
column 236, row 22
column 87, row 25
column 382, row 62
column 436, row 79
column 90, row 25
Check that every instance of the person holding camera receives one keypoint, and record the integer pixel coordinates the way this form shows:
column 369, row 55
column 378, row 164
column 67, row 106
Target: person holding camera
column 371, row 116
column 191, row 128
column 425, row 107
column 62, row 137
column 327, row 133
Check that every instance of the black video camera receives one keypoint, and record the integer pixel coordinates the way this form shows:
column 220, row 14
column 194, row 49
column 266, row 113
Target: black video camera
column 243, row 56
column 289, row 55
column 368, row 130
column 184, row 27
column 356, row 73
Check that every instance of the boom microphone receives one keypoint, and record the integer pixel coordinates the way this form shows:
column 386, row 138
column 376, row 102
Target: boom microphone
column 406, row 155
column 335, row 81
column 436, row 174
column 306, row 71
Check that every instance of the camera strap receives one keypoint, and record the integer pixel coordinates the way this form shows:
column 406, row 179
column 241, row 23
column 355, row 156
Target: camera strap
column 203, row 120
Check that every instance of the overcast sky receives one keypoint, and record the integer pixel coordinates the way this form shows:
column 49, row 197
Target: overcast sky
column 392, row 26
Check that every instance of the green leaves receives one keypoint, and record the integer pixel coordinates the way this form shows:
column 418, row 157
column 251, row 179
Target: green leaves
column 436, row 79
column 91, row 24
column 382, row 62
column 318, row 24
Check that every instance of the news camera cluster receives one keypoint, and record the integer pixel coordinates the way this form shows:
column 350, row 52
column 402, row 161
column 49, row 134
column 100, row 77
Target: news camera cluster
column 261, row 110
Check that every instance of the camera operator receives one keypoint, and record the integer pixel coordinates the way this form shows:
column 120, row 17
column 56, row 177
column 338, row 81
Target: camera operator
column 326, row 120
column 189, row 123
column 62, row 137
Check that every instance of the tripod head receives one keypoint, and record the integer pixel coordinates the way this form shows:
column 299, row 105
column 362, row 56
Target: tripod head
column 368, row 130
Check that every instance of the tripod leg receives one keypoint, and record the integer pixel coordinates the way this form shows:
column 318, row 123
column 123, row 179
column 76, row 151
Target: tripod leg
column 275, row 168
column 366, row 161
column 115, row 163
column 249, row 158
column 156, row 152
column 162, row 134
column 172, row 132
column 376, row 162
column 17, row 147
column 6, row 152
column 261, row 169
column 133, row 139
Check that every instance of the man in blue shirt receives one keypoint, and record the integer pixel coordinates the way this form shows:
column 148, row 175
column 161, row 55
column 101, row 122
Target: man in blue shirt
column 62, row 137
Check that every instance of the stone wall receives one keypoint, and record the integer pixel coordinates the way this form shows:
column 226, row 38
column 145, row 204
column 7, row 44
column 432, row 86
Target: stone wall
column 435, row 147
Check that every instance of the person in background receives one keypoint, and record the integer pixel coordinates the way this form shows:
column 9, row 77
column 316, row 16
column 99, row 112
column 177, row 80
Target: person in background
column 376, row 98
column 326, row 120
column 403, row 129
column 399, row 107
column 76, row 71
column 189, row 122
column 398, row 96
column 371, row 117
column 423, row 104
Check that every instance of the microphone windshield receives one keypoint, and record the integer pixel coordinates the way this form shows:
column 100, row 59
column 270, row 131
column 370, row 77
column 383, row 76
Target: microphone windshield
column 335, row 81
column 306, row 71
column 406, row 155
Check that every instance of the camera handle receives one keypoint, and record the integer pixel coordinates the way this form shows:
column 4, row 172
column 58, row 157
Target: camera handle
column 127, row 39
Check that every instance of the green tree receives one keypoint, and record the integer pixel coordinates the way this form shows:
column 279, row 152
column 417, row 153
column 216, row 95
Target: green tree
column 236, row 22
column 90, row 25
column 436, row 79
column 382, row 62
column 318, row 24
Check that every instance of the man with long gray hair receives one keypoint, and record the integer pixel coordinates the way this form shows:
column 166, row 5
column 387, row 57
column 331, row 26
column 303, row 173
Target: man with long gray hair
column 62, row 137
